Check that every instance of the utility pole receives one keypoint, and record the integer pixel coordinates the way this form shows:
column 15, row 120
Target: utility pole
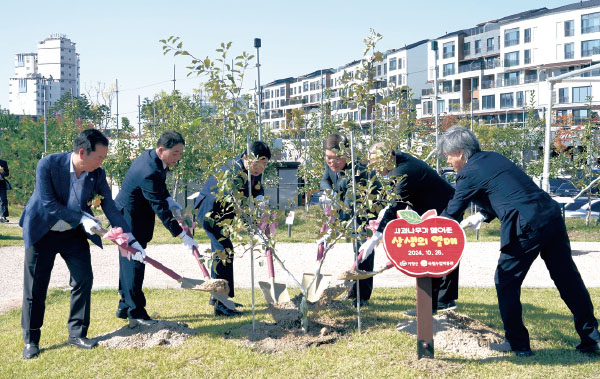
column 174, row 78
column 139, row 119
column 257, row 45
column 434, row 47
column 117, row 91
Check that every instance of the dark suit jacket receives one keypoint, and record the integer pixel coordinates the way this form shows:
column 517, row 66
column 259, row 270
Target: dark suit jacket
column 341, row 184
column 48, row 204
column 144, row 193
column 207, row 200
column 503, row 190
column 418, row 185
column 6, row 173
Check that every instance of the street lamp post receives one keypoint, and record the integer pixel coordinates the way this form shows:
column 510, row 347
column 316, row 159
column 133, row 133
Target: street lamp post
column 45, row 82
column 434, row 47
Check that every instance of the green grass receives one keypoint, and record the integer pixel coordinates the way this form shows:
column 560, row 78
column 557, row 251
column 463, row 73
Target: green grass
column 305, row 229
column 380, row 351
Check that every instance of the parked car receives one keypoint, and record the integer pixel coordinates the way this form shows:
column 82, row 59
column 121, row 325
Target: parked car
column 555, row 183
column 581, row 211
column 566, row 189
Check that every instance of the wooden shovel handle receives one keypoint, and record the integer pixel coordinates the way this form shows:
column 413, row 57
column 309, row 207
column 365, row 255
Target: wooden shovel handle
column 161, row 267
column 270, row 263
column 202, row 267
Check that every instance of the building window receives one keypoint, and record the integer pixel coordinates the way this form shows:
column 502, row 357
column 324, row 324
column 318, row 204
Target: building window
column 506, row 100
column 276, row 93
column 282, row 91
column 580, row 116
column 488, row 102
column 305, row 86
column 512, row 78
column 569, row 50
column 20, row 61
column 490, row 44
column 446, row 87
column 392, row 64
column 392, row 79
column 563, row 95
column 589, row 48
column 477, row 46
column 527, row 56
column 440, row 105
column 385, row 69
column 527, row 35
column 449, row 50
column 466, row 48
column 581, row 94
column 379, row 70
column 569, row 28
column 454, row 105
column 520, row 99
column 590, row 23
column 449, row 69
column 22, row 85
column 511, row 59
column 511, row 37
column 427, row 107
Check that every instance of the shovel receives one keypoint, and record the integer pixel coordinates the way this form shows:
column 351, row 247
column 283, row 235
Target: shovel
column 322, row 281
column 274, row 292
column 125, row 250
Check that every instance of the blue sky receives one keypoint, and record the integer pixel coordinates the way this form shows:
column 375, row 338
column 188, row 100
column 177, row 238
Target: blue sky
column 119, row 39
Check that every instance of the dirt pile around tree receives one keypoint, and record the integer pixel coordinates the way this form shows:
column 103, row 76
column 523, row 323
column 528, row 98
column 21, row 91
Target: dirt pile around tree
column 459, row 334
column 163, row 333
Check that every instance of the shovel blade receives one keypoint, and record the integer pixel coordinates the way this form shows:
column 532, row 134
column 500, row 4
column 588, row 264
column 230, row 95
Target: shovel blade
column 188, row 283
column 276, row 294
column 224, row 299
column 319, row 285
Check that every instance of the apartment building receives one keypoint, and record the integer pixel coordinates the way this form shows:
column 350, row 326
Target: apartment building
column 52, row 71
column 398, row 68
column 492, row 69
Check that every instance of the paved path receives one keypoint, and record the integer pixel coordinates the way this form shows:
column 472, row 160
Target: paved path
column 477, row 267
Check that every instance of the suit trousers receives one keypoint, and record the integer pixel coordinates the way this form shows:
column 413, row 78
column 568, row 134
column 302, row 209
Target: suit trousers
column 131, row 279
column 218, row 244
column 444, row 289
column 365, row 285
column 3, row 199
column 73, row 247
column 553, row 246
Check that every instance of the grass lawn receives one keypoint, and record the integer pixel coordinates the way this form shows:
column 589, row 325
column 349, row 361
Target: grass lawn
column 305, row 229
column 380, row 351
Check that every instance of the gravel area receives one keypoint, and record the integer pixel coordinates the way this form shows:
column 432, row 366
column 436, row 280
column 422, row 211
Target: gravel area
column 476, row 270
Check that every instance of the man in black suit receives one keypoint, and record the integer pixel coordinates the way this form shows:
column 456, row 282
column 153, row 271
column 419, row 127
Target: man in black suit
column 4, row 185
column 143, row 194
column 531, row 225
column 421, row 188
column 57, row 220
column 212, row 211
column 337, row 179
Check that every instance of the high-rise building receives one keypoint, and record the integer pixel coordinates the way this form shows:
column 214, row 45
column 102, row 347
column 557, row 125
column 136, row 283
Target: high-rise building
column 47, row 74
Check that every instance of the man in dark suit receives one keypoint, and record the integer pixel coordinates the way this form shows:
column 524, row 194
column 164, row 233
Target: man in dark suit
column 337, row 179
column 214, row 210
column 421, row 188
column 4, row 185
column 143, row 194
column 531, row 225
column 57, row 220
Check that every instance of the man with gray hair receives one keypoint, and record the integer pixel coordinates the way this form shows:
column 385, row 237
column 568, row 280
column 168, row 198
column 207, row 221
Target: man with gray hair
column 531, row 225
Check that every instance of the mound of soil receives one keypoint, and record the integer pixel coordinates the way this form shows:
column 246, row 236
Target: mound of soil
column 163, row 333
column 459, row 334
column 286, row 315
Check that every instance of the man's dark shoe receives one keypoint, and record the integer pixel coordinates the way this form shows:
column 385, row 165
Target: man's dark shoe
column 212, row 301
column 133, row 322
column 221, row 310
column 31, row 350
column 3, row 219
column 413, row 312
column 505, row 347
column 363, row 303
column 589, row 348
column 446, row 306
column 523, row 353
column 82, row 342
column 121, row 314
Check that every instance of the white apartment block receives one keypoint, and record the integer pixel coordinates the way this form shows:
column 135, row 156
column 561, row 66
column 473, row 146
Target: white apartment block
column 398, row 68
column 496, row 65
column 53, row 71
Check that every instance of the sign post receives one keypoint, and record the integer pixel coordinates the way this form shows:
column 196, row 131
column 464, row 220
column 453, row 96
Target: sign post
column 424, row 247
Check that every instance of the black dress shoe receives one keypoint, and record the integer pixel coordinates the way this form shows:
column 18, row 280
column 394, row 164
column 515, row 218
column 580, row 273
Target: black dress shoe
column 589, row 348
column 31, row 350
column 82, row 342
column 446, row 306
column 121, row 314
column 133, row 322
column 221, row 310
column 363, row 303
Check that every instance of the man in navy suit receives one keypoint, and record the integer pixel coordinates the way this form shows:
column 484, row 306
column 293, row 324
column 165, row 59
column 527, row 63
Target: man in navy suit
column 337, row 178
column 57, row 220
column 143, row 194
column 212, row 211
column 531, row 225
column 4, row 185
column 421, row 188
